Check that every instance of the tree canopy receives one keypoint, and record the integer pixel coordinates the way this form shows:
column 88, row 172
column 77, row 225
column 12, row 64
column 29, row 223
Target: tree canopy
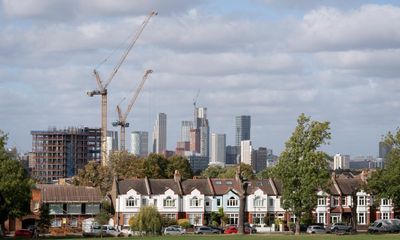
column 95, row 175
column 215, row 171
column 15, row 185
column 302, row 169
column 385, row 183
column 147, row 220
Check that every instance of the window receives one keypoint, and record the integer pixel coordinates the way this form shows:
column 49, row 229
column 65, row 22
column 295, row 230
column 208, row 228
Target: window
column 55, row 209
column 271, row 202
column 195, row 202
column 144, row 201
column 385, row 202
column 335, row 201
column 232, row 202
column 218, row 182
column 126, row 218
column 259, row 202
column 361, row 200
column 321, row 218
column 258, row 218
column 335, row 218
column 56, row 223
column 228, row 182
column 218, row 202
column 74, row 222
column 169, row 215
column 321, row 201
column 92, row 208
column 155, row 202
column 36, row 206
column 361, row 218
column 74, row 208
column 207, row 203
column 196, row 219
column 131, row 202
column 169, row 202
column 344, row 202
column 385, row 215
column 233, row 218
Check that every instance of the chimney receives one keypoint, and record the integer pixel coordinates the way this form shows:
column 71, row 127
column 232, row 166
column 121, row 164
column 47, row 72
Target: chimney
column 177, row 176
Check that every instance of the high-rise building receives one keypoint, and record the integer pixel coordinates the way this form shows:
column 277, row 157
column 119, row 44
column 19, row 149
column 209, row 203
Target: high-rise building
column 112, row 142
column 185, row 131
column 160, row 134
column 259, row 159
column 195, row 140
column 61, row 153
column 218, row 149
column 232, row 155
column 243, row 125
column 341, row 161
column 140, row 143
column 201, row 124
column 246, row 150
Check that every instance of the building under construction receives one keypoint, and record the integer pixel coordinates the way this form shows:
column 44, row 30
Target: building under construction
column 61, row 153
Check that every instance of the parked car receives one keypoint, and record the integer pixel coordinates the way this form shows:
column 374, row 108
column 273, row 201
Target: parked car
column 303, row 227
column 173, row 231
column 221, row 230
column 127, row 232
column 381, row 226
column 206, row 230
column 110, row 231
column 231, row 229
column 249, row 229
column 316, row 229
column 179, row 227
column 23, row 233
column 340, row 227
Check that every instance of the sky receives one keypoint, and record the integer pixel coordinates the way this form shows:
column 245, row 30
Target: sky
column 335, row 61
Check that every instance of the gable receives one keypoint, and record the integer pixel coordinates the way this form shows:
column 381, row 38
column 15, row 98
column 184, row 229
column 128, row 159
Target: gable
column 169, row 192
column 132, row 192
column 195, row 192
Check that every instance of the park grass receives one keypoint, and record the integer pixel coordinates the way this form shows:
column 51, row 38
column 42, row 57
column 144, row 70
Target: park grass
column 262, row 237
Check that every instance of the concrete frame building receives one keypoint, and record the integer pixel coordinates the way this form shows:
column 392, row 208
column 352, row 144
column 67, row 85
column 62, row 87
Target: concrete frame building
column 341, row 161
column 243, row 126
column 218, row 149
column 246, row 150
column 140, row 143
column 160, row 134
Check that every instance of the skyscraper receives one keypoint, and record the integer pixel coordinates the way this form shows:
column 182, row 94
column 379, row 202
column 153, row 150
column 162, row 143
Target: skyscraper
column 160, row 134
column 201, row 123
column 243, row 125
column 259, row 159
column 246, row 152
column 185, row 131
column 218, row 149
column 140, row 143
column 341, row 161
column 112, row 142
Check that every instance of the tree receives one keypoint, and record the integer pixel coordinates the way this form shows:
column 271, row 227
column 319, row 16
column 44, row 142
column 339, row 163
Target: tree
column 385, row 183
column 148, row 220
column 155, row 166
column 44, row 221
column 95, row 175
column 102, row 218
column 122, row 163
column 15, row 186
column 178, row 163
column 213, row 171
column 302, row 169
column 229, row 172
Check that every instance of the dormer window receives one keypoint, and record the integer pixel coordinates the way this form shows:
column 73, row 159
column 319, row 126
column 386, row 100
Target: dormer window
column 259, row 202
column 321, row 201
column 169, row 202
column 232, row 202
column 131, row 202
column 385, row 202
column 195, row 202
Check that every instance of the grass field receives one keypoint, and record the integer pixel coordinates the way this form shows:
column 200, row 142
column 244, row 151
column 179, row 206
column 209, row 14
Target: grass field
column 264, row 237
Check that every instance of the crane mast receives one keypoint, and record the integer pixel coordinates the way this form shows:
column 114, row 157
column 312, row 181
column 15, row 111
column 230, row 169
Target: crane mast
column 102, row 88
column 123, row 116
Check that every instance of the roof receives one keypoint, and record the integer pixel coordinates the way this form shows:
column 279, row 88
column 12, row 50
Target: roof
column 222, row 186
column 202, row 185
column 139, row 185
column 69, row 193
column 348, row 184
column 159, row 186
column 264, row 185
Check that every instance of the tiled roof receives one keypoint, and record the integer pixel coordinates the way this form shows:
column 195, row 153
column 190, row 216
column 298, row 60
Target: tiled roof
column 264, row 185
column 69, row 193
column 202, row 185
column 159, row 186
column 138, row 185
column 348, row 184
column 222, row 186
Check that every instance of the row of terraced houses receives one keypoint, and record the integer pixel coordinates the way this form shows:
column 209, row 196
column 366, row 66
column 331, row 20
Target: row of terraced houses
column 195, row 199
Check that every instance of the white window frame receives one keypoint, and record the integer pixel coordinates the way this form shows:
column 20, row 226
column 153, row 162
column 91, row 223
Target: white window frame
column 259, row 201
column 169, row 202
column 321, row 217
column 361, row 217
column 321, row 201
column 131, row 202
column 335, row 218
column 344, row 201
column 385, row 215
column 385, row 202
column 195, row 202
column 233, row 218
column 271, row 202
column 232, row 202
column 335, row 201
column 260, row 216
column 361, row 201
column 193, row 217
column 218, row 202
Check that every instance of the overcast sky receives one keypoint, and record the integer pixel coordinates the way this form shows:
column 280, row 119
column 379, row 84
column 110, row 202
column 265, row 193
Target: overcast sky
column 336, row 61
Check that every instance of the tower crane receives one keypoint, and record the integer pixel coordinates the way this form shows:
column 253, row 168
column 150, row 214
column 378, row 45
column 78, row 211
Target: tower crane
column 122, row 116
column 102, row 88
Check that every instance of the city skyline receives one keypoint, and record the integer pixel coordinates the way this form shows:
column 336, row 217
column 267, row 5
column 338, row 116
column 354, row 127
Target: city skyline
column 256, row 58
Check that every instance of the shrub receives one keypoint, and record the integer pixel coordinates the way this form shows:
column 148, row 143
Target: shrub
column 183, row 222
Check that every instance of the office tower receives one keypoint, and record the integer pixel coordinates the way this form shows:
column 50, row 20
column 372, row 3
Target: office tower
column 160, row 134
column 200, row 127
column 140, row 143
column 198, row 163
column 112, row 142
column 243, row 125
column 218, row 149
column 259, row 159
column 232, row 155
column 61, row 153
column 341, row 161
column 185, row 131
column 195, row 140
column 246, row 152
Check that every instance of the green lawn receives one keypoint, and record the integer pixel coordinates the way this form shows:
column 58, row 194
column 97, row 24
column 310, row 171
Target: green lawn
column 264, row 236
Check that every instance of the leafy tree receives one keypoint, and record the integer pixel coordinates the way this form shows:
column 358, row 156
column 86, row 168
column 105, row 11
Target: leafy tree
column 44, row 221
column 184, row 222
column 302, row 169
column 95, row 175
column 166, row 221
column 102, row 218
column 148, row 220
column 178, row 163
column 213, row 171
column 122, row 163
column 385, row 183
column 155, row 165
column 15, row 186
column 265, row 173
column 229, row 172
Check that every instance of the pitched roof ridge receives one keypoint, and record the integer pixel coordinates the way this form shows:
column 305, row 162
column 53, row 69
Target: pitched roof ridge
column 271, row 181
